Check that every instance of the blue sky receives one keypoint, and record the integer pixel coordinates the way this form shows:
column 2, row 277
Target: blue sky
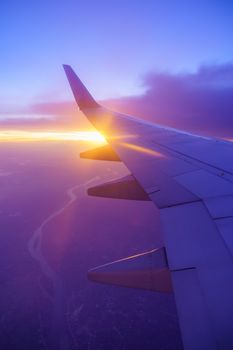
column 112, row 45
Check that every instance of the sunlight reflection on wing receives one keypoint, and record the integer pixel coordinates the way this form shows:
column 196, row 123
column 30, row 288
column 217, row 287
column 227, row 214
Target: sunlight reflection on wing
column 124, row 136
column 142, row 149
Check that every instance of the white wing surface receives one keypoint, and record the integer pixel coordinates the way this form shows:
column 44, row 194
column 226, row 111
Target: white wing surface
column 190, row 179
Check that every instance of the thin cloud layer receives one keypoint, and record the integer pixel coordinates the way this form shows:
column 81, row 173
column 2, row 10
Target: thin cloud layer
column 62, row 115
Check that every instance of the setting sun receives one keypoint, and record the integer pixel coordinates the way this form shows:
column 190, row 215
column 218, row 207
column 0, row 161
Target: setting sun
column 23, row 136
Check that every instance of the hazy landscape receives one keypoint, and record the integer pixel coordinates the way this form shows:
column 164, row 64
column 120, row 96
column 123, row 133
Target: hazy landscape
column 51, row 234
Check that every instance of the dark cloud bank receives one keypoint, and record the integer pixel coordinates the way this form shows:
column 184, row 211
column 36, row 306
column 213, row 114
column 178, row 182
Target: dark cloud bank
column 200, row 102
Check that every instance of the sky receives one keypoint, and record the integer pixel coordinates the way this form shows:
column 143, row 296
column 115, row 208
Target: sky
column 114, row 46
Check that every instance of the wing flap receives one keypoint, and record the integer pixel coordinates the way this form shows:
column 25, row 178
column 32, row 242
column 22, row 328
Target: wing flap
column 220, row 207
column 146, row 271
column 124, row 188
column 194, row 242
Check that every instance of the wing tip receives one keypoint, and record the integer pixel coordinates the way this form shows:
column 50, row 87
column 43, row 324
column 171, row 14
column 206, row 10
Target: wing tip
column 66, row 66
column 80, row 92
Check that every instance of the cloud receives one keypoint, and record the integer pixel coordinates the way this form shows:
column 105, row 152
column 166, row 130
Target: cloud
column 200, row 102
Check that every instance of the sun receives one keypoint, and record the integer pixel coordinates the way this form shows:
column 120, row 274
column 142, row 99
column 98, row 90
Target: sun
column 27, row 136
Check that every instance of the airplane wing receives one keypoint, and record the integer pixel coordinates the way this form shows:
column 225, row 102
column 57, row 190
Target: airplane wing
column 190, row 180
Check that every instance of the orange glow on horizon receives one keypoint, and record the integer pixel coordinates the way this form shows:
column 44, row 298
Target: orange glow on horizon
column 30, row 136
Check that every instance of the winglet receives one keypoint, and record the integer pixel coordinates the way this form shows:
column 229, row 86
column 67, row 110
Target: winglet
column 81, row 94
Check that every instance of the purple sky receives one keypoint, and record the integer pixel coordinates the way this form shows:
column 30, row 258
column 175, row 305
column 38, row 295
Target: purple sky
column 111, row 44
column 153, row 52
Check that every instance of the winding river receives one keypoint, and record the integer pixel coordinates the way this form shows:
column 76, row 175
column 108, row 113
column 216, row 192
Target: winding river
column 59, row 337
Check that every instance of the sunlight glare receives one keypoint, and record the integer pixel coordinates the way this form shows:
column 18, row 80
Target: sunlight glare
column 23, row 136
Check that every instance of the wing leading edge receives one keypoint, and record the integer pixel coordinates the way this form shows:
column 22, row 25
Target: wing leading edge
column 190, row 179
